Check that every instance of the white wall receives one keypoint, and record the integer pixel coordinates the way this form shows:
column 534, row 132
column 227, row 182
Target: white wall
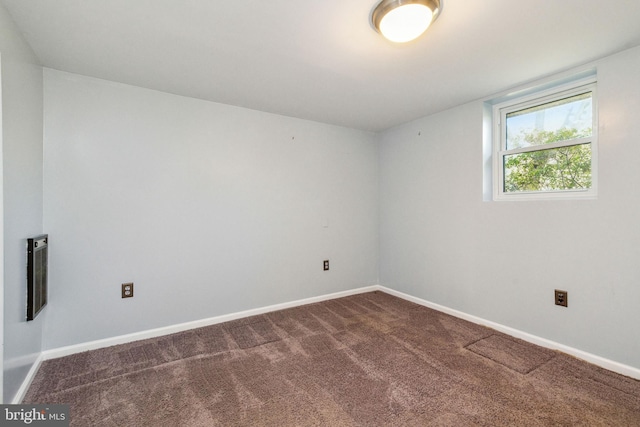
column 209, row 209
column 501, row 261
column 22, row 185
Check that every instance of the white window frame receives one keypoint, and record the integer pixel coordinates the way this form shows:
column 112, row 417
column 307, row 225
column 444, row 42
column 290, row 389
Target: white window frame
column 499, row 141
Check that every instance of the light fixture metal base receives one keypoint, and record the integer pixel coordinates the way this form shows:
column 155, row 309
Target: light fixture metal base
column 385, row 6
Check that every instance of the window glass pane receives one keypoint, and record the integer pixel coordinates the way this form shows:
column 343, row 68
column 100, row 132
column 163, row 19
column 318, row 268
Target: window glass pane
column 554, row 121
column 564, row 168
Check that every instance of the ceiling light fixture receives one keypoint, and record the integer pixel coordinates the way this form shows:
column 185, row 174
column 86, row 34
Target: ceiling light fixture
column 404, row 20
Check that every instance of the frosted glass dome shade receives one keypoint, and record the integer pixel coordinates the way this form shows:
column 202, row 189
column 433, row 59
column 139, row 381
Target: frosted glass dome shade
column 404, row 20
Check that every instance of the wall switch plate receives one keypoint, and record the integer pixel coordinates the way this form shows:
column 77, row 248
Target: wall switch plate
column 127, row 290
column 325, row 264
column 562, row 298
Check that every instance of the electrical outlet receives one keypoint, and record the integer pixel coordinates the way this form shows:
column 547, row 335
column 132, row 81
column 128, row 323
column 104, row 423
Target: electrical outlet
column 127, row 290
column 562, row 298
column 325, row 265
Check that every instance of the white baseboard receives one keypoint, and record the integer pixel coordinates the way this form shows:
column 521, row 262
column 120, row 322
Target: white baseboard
column 608, row 364
column 152, row 333
column 172, row 329
column 22, row 391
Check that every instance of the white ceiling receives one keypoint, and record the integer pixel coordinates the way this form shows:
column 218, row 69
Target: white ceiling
column 321, row 60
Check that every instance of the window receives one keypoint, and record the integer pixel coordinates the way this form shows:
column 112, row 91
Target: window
column 545, row 144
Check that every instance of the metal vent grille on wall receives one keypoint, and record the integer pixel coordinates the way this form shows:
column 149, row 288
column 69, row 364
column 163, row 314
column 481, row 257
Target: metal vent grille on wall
column 37, row 252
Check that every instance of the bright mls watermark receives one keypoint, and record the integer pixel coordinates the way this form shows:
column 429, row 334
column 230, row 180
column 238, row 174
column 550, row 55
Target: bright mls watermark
column 35, row 415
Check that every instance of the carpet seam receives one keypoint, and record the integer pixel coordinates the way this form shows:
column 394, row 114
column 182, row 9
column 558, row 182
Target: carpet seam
column 161, row 365
column 525, row 373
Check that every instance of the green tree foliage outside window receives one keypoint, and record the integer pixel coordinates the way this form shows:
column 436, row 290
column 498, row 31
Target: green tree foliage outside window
column 563, row 168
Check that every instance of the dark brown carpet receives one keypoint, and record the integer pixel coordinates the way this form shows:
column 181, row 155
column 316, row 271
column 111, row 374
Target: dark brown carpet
column 365, row 360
